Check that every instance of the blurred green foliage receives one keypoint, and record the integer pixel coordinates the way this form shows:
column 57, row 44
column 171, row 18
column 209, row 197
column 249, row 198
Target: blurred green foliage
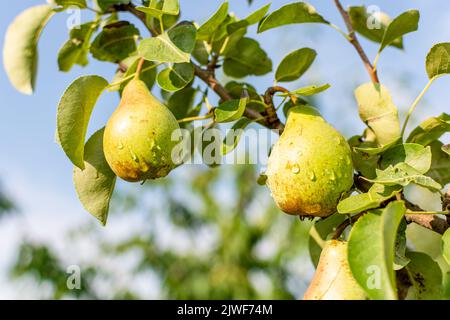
column 251, row 248
column 6, row 205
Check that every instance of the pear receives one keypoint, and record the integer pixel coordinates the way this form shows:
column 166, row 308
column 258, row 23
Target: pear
column 333, row 279
column 138, row 136
column 310, row 166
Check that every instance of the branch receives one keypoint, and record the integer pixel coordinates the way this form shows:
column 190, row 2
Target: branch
column 341, row 228
column 131, row 8
column 354, row 41
column 432, row 222
column 212, row 82
column 205, row 75
column 272, row 117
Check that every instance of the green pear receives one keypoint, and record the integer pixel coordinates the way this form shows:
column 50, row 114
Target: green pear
column 310, row 167
column 333, row 279
column 138, row 137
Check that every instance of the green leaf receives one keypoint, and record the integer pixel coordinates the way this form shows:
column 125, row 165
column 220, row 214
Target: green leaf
column 257, row 105
column 446, row 246
column 378, row 111
column 181, row 102
column 400, row 259
column 363, row 163
column 440, row 164
column 116, row 42
column 209, row 146
column 170, row 7
column 423, row 198
column 175, row 45
column 68, row 3
column 247, row 58
column 237, row 90
column 371, row 250
column 234, row 134
column 20, row 56
column 298, row 12
column 104, row 5
column 430, row 130
column 95, row 184
column 376, row 150
column 176, row 77
column 437, row 62
column 201, row 53
column 230, row 110
column 74, row 111
column 425, row 240
column 425, row 276
column 295, row 64
column 415, row 155
column 252, row 19
column 403, row 174
column 223, row 43
column 405, row 23
column 320, row 232
column 370, row 26
column 242, row 89
column 306, row 91
column 155, row 15
column 377, row 194
column 208, row 28
column 76, row 49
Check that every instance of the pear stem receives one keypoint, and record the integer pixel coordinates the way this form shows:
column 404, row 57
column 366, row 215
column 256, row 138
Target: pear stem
column 271, row 112
column 131, row 76
column 139, row 68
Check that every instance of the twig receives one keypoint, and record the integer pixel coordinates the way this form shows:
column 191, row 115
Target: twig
column 204, row 75
column 131, row 8
column 212, row 65
column 341, row 228
column 272, row 117
column 355, row 42
column 196, row 118
column 432, row 222
column 212, row 82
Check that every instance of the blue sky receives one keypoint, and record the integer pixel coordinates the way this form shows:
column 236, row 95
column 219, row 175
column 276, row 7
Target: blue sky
column 37, row 174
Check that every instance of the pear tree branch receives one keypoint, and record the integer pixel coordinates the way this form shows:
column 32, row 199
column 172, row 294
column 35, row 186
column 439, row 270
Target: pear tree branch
column 205, row 75
column 271, row 112
column 356, row 44
column 208, row 78
column 131, row 8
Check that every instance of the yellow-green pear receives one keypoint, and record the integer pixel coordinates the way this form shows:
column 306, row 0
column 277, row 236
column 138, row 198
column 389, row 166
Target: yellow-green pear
column 138, row 136
column 310, row 166
column 333, row 279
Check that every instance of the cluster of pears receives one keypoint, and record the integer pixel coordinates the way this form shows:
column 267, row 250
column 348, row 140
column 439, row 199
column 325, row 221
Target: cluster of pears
column 310, row 167
column 138, row 137
column 333, row 279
